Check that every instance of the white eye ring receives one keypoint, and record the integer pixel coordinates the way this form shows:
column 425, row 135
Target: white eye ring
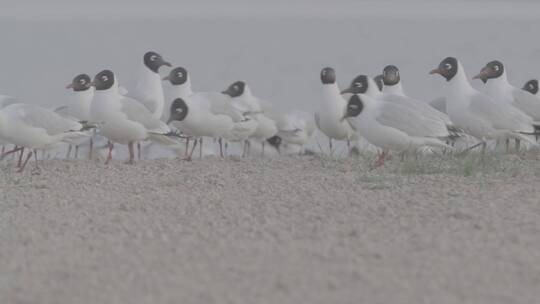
column 104, row 78
column 359, row 85
column 323, row 72
column 448, row 66
column 531, row 86
column 236, row 88
column 153, row 58
column 180, row 74
column 180, row 110
column 496, row 68
column 82, row 81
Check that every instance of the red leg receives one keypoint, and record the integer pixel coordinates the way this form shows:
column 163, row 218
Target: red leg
column 109, row 156
column 188, row 158
column 20, row 158
column 25, row 162
column 16, row 149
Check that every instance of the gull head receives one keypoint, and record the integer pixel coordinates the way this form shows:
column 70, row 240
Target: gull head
column 359, row 85
column 448, row 68
column 179, row 110
column 328, row 76
column 531, row 86
column 104, row 80
column 81, row 82
column 177, row 76
column 154, row 61
column 391, row 75
column 236, row 89
column 493, row 69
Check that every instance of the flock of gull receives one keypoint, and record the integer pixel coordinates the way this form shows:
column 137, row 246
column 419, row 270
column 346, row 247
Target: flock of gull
column 165, row 111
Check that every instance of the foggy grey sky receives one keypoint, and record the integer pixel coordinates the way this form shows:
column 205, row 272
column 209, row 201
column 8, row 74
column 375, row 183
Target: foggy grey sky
column 32, row 8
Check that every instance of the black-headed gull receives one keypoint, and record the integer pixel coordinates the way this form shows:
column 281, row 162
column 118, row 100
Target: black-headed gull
column 214, row 103
column 148, row 89
column 331, row 110
column 477, row 113
column 394, row 126
column 37, row 128
column 122, row 119
column 253, row 108
column 80, row 98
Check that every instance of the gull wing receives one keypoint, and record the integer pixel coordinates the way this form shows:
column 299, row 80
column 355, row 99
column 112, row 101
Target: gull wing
column 409, row 120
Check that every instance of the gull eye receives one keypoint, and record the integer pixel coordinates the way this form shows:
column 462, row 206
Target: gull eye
column 82, row 81
column 448, row 66
column 104, row 78
column 153, row 58
column 179, row 74
column 323, row 72
column 397, row 73
column 496, row 68
column 531, row 86
column 359, row 84
column 180, row 110
column 236, row 88
column 354, row 107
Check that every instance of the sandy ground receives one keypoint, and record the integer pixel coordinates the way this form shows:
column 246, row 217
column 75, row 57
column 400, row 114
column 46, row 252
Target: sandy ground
column 288, row 230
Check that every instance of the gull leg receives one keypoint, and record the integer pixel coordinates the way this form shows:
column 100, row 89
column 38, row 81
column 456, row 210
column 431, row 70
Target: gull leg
column 68, row 151
column 25, row 162
column 226, row 147
column 200, row 147
column 220, row 141
column 109, row 156
column 188, row 158
column 381, row 158
column 76, row 151
column 91, row 147
column 518, row 144
column 15, row 149
column 330, row 144
column 262, row 153
column 139, row 150
column 20, row 157
column 187, row 147
column 507, row 145
column 131, row 153
column 349, row 147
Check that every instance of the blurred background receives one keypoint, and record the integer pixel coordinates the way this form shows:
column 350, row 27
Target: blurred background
column 278, row 47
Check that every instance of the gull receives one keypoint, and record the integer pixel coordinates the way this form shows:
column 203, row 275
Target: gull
column 331, row 109
column 209, row 104
column 80, row 98
column 394, row 126
column 253, row 108
column 477, row 113
column 496, row 85
column 122, row 119
column 36, row 128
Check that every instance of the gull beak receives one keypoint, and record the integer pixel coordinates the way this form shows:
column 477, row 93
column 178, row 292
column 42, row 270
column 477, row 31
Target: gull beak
column 69, row 86
column 166, row 78
column 482, row 75
column 435, row 71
